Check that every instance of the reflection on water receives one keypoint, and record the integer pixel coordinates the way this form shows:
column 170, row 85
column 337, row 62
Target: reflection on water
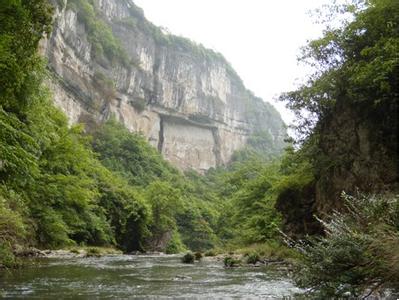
column 150, row 277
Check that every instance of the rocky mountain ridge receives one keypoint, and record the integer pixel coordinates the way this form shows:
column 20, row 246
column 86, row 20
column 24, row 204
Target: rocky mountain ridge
column 108, row 60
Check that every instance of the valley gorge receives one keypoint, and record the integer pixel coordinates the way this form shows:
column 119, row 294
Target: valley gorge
column 137, row 163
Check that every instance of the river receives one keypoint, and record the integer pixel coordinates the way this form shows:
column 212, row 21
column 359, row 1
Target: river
column 142, row 276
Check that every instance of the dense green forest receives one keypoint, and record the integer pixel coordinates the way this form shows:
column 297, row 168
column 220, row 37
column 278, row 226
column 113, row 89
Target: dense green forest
column 63, row 186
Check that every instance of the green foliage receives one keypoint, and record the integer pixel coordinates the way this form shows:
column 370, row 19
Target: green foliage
column 130, row 155
column 125, row 209
column 195, row 224
column 274, row 250
column 253, row 258
column 71, row 201
column 177, row 202
column 175, row 244
column 231, row 262
column 64, row 196
column 249, row 209
column 165, row 202
column 359, row 254
column 210, row 253
column 22, row 25
column 256, row 215
column 356, row 64
column 74, row 251
column 8, row 259
column 296, row 193
column 12, row 227
column 17, row 148
column 93, row 252
column 38, row 157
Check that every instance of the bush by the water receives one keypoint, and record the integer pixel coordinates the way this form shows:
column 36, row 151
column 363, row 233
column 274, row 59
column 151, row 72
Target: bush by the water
column 175, row 244
column 272, row 249
column 188, row 258
column 12, row 227
column 93, row 252
column 253, row 258
column 359, row 254
column 230, row 262
column 210, row 253
column 7, row 258
column 198, row 255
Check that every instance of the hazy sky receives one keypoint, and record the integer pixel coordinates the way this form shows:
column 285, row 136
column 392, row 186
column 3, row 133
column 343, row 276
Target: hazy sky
column 260, row 38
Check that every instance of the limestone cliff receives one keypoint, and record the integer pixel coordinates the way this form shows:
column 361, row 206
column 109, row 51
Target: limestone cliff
column 359, row 144
column 107, row 59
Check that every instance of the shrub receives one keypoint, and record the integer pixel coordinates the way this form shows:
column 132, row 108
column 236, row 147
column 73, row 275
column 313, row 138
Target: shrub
column 139, row 104
column 12, row 228
column 359, row 254
column 271, row 250
column 230, row 262
column 198, row 255
column 74, row 251
column 93, row 252
column 210, row 253
column 253, row 258
column 175, row 244
column 188, row 258
column 7, row 258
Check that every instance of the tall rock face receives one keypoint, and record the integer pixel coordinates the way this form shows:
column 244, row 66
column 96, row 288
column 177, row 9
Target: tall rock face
column 108, row 60
column 357, row 151
column 359, row 144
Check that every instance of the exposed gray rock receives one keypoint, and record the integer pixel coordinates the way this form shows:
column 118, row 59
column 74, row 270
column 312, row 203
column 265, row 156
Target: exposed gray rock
column 185, row 99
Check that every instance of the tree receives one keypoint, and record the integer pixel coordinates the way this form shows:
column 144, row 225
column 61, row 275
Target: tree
column 22, row 25
column 165, row 203
column 356, row 64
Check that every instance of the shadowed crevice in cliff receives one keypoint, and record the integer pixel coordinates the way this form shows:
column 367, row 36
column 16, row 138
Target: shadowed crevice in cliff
column 161, row 135
column 217, row 146
column 156, row 91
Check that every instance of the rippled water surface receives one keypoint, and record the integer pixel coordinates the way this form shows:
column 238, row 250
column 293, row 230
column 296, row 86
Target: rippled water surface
column 150, row 277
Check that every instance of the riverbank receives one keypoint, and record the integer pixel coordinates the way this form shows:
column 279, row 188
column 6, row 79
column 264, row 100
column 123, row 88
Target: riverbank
column 253, row 255
column 15, row 259
column 69, row 252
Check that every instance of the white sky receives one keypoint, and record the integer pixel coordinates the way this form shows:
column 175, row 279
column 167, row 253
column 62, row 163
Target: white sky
column 260, row 38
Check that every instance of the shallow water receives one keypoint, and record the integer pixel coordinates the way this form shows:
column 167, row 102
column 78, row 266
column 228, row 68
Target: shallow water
column 142, row 276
